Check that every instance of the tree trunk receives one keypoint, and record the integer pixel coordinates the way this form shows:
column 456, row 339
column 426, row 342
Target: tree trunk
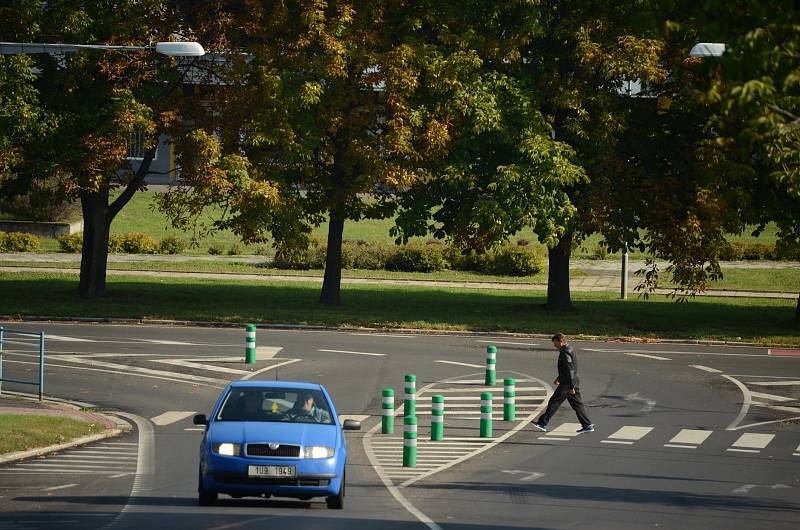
column 94, row 256
column 558, row 295
column 97, row 217
column 332, row 282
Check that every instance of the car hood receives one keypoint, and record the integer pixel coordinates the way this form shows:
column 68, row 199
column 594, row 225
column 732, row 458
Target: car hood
column 303, row 434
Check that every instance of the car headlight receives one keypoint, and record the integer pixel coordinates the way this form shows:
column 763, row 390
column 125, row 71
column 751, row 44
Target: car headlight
column 317, row 451
column 226, row 449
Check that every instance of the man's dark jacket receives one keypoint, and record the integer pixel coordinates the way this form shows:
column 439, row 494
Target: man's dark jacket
column 568, row 367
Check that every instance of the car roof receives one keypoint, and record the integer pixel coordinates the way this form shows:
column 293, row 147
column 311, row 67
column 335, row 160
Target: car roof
column 256, row 383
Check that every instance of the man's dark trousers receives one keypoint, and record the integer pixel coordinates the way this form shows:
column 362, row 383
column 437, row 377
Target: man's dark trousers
column 558, row 397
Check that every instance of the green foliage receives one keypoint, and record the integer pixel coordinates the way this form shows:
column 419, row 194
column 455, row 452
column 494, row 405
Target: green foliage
column 172, row 245
column 19, row 242
column 738, row 250
column 71, row 243
column 416, row 258
column 512, row 260
column 235, row 250
column 216, row 249
column 364, row 255
column 138, row 243
column 115, row 243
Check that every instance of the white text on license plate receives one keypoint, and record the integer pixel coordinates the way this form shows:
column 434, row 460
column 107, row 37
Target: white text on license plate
column 271, row 471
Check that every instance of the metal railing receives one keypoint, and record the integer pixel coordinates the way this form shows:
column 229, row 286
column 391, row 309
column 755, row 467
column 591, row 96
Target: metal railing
column 40, row 335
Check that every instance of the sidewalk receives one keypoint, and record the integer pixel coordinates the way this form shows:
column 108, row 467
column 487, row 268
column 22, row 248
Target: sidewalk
column 13, row 403
column 600, row 275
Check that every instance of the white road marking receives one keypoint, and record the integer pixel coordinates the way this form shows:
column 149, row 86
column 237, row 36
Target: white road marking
column 65, row 486
column 72, row 460
column 656, row 357
column 145, row 466
column 744, row 450
column 565, row 429
column 468, row 365
column 118, row 443
column 630, row 433
column 706, row 368
column 273, row 367
column 195, row 429
column 120, row 475
column 124, row 368
column 774, row 383
column 201, row 366
column 673, row 352
column 357, row 417
column 171, row 416
column 622, row 442
column 355, row 352
column 681, row 446
column 478, row 398
column 481, row 381
column 167, row 342
column 68, row 466
column 554, row 438
column 476, row 389
column 61, row 338
column 770, row 397
column 504, row 342
column 750, row 440
column 690, row 437
column 406, row 336
column 529, row 475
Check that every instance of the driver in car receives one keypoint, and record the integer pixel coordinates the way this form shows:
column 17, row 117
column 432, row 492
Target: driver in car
column 305, row 409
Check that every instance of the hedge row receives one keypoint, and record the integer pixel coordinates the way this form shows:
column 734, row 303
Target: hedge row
column 738, row 251
column 131, row 243
column 508, row 260
column 18, row 242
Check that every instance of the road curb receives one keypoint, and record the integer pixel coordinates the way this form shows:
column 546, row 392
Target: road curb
column 415, row 331
column 120, row 426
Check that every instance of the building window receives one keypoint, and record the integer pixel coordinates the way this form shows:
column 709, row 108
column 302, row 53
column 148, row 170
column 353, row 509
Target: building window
column 136, row 147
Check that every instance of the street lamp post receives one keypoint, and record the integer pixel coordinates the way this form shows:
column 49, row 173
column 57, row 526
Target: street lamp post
column 172, row 49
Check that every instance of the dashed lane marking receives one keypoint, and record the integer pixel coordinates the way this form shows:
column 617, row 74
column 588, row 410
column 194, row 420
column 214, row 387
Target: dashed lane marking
column 468, row 365
column 751, row 442
column 656, row 357
column 506, row 342
column 62, row 487
column 706, row 368
column 688, row 439
column 627, row 435
column 355, row 352
column 171, row 416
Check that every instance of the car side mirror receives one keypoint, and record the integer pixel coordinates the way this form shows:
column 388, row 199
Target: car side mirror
column 351, row 425
column 200, row 419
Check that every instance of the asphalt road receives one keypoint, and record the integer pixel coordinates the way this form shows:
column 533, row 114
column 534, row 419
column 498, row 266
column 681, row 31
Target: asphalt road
column 686, row 436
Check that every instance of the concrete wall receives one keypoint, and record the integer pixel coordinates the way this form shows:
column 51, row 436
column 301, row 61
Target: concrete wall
column 42, row 229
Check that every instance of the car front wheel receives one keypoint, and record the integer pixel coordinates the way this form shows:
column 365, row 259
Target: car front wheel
column 336, row 502
column 204, row 497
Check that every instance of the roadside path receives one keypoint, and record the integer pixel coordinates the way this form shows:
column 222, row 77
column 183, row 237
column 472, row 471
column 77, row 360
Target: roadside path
column 601, row 276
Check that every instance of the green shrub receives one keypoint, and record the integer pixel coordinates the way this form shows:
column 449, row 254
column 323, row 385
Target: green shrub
column 416, row 258
column 236, row 250
column 216, row 249
column 71, row 243
column 262, row 250
column 739, row 250
column 311, row 257
column 600, row 252
column 115, row 243
column 172, row 245
column 138, row 243
column 366, row 256
column 516, row 261
column 19, row 242
column 787, row 251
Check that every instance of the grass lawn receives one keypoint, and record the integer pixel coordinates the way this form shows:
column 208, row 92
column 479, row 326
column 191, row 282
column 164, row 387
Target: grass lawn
column 139, row 215
column 759, row 320
column 20, row 432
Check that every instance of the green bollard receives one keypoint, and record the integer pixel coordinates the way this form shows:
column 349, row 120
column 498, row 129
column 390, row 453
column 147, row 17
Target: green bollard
column 410, row 401
column 486, row 414
column 437, row 418
column 509, row 399
column 250, row 345
column 491, row 364
column 410, row 441
column 387, row 404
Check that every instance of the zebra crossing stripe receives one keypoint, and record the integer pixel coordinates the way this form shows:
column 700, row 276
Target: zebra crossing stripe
column 751, row 442
column 627, row 435
column 688, row 438
column 171, row 416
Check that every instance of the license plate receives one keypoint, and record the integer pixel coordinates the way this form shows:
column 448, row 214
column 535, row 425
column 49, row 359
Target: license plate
column 271, row 471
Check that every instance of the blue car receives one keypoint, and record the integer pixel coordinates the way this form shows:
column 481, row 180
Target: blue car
column 273, row 438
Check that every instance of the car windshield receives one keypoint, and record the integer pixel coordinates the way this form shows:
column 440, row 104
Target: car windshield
column 275, row 404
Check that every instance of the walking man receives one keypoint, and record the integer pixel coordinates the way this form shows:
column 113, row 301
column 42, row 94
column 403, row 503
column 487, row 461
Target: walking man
column 567, row 387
